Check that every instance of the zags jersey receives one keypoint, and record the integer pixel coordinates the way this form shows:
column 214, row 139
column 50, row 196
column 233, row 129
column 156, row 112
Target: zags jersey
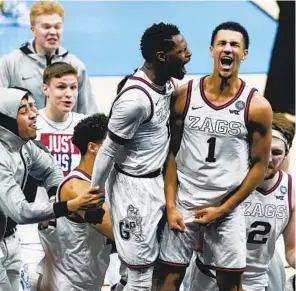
column 147, row 150
column 56, row 136
column 215, row 142
column 267, row 214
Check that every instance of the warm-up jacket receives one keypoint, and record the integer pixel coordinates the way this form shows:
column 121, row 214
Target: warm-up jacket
column 17, row 158
column 24, row 68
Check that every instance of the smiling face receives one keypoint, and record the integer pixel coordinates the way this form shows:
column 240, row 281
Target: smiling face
column 228, row 50
column 26, row 119
column 177, row 58
column 61, row 93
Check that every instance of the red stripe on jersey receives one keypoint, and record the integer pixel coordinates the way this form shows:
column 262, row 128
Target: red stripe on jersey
column 219, row 107
column 148, row 84
column 250, row 96
column 173, row 264
column 84, row 173
column 136, row 266
column 266, row 192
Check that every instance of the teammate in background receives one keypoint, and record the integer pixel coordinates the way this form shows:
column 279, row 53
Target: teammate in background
column 55, row 126
column 269, row 212
column 19, row 156
column 24, row 66
column 75, row 243
column 137, row 141
column 56, row 121
column 221, row 135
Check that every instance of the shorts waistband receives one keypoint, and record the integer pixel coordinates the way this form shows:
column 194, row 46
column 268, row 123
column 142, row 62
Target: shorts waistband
column 149, row 175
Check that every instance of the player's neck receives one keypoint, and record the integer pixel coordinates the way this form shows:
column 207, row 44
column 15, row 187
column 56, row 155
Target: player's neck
column 153, row 75
column 55, row 115
column 214, row 84
column 87, row 163
column 268, row 184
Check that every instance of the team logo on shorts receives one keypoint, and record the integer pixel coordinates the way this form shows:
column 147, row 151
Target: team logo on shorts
column 240, row 105
column 131, row 225
column 283, row 189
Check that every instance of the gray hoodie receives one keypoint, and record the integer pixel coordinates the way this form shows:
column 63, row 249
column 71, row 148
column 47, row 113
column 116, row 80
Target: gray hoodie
column 24, row 68
column 17, row 158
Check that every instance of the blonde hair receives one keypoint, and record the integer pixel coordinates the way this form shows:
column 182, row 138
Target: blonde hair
column 45, row 7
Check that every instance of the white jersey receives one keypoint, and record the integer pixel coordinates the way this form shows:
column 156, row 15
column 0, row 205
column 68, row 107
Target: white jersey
column 267, row 214
column 213, row 158
column 56, row 136
column 81, row 256
column 149, row 134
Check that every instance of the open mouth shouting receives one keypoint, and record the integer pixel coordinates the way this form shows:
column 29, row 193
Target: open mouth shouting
column 226, row 62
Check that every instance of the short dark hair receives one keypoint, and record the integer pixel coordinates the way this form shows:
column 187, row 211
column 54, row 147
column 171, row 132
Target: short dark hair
column 90, row 129
column 282, row 124
column 156, row 38
column 234, row 26
column 58, row 70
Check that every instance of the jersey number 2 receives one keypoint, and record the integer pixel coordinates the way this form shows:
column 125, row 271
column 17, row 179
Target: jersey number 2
column 211, row 151
column 252, row 235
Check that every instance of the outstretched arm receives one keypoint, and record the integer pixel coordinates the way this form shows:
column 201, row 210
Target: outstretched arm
column 259, row 126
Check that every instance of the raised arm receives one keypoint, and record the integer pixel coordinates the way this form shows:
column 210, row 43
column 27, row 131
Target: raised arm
column 174, row 216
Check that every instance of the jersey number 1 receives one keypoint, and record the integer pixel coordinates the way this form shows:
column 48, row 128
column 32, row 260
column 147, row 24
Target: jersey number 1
column 211, row 152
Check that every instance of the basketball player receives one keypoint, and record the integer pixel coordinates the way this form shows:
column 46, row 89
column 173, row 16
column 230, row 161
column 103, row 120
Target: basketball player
column 55, row 125
column 269, row 212
column 19, row 156
column 218, row 125
column 138, row 135
column 76, row 245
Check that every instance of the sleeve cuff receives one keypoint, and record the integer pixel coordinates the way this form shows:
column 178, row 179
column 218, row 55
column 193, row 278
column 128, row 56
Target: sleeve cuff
column 60, row 209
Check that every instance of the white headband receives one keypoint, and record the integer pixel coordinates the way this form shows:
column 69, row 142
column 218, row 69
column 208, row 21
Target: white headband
column 279, row 135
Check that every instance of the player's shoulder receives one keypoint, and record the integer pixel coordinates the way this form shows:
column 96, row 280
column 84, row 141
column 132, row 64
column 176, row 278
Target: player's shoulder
column 11, row 57
column 260, row 107
column 74, row 61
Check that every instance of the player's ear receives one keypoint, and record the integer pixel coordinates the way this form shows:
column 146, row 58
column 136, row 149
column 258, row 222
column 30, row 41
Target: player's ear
column 93, row 147
column 245, row 54
column 161, row 57
column 45, row 89
column 211, row 52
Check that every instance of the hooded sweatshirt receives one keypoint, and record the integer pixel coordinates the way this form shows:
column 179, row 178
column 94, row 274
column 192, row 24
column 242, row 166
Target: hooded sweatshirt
column 24, row 68
column 19, row 157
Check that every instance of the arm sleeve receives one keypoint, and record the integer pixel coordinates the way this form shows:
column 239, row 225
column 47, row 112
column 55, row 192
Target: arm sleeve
column 15, row 205
column 127, row 115
column 45, row 168
column 86, row 102
column 4, row 73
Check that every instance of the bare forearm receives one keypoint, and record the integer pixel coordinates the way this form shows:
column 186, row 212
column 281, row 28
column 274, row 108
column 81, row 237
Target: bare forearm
column 170, row 182
column 290, row 257
column 250, row 183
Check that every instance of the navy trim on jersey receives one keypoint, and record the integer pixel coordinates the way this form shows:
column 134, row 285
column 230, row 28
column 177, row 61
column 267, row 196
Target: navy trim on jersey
column 136, row 266
column 153, row 174
column 250, row 96
column 143, row 90
column 203, row 268
column 173, row 264
column 162, row 92
column 219, row 107
column 273, row 188
column 172, row 81
column 290, row 186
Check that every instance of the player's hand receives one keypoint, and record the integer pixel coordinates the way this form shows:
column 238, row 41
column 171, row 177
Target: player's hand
column 175, row 220
column 94, row 198
column 207, row 215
